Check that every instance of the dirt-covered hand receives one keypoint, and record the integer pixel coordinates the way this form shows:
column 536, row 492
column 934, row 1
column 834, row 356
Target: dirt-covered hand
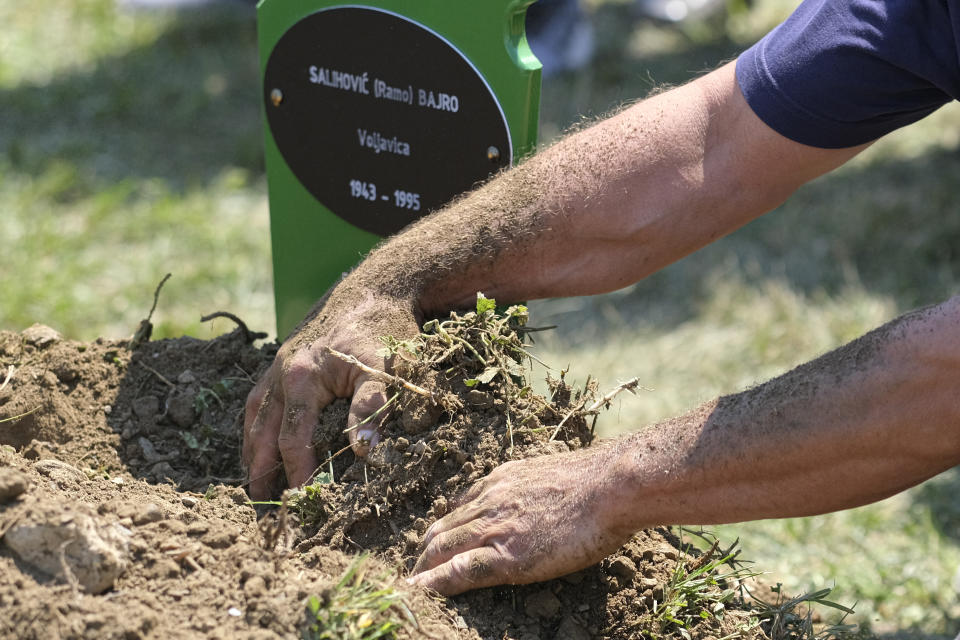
column 283, row 407
column 527, row 521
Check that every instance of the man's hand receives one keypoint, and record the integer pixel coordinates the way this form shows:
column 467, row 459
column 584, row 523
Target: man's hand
column 527, row 521
column 282, row 409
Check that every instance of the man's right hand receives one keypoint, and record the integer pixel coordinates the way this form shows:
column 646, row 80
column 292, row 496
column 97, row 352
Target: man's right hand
column 283, row 408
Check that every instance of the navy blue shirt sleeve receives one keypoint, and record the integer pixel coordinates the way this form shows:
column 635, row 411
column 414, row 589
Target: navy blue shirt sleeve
column 839, row 73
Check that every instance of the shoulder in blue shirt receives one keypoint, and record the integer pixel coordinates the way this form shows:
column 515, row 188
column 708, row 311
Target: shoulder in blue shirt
column 839, row 73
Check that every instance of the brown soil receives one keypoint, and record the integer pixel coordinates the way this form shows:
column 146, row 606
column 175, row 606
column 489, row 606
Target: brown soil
column 122, row 512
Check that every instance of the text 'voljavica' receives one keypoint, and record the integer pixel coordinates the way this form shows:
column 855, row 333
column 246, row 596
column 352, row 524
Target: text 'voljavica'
column 377, row 142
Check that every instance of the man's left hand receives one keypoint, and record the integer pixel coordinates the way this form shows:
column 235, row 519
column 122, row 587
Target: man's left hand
column 527, row 521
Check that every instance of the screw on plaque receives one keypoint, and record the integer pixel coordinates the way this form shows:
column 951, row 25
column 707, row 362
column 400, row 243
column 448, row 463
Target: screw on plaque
column 493, row 154
column 276, row 97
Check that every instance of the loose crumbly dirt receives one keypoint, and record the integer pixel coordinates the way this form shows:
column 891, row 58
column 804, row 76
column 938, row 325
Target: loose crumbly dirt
column 121, row 470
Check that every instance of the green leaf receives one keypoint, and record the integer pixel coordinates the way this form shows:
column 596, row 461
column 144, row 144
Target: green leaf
column 833, row 605
column 485, row 304
column 471, row 382
column 322, row 477
column 518, row 314
column 222, row 386
column 190, row 439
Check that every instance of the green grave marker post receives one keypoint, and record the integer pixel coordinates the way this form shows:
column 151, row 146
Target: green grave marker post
column 376, row 114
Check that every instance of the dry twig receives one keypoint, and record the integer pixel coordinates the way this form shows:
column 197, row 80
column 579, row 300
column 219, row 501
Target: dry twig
column 158, row 374
column 248, row 336
column 578, row 407
column 145, row 329
column 383, row 376
column 630, row 385
column 696, row 563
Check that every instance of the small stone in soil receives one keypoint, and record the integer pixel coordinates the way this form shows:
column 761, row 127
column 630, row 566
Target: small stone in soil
column 571, row 630
column 60, row 472
column 146, row 407
column 668, row 551
column 542, row 604
column 181, row 408
column 40, row 335
column 147, row 513
column 623, row 567
column 12, row 484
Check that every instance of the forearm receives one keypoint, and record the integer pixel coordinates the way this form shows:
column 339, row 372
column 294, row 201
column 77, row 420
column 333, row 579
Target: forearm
column 854, row 426
column 604, row 207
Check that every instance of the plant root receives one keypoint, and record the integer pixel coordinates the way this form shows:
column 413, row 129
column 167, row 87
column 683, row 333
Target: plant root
column 249, row 336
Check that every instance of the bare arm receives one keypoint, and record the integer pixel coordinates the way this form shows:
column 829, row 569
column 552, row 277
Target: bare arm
column 854, row 426
column 599, row 210
column 607, row 206
column 857, row 425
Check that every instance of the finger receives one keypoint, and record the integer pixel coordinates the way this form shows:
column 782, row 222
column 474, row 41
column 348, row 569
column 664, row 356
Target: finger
column 296, row 440
column 469, row 505
column 506, row 471
column 457, row 518
column 473, row 569
column 263, row 394
column 363, row 426
column 453, row 538
column 446, row 544
column 260, row 449
column 303, row 400
column 469, row 494
column 255, row 400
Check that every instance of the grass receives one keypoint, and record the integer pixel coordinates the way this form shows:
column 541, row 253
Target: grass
column 356, row 608
column 130, row 147
column 695, row 596
column 716, row 593
column 792, row 618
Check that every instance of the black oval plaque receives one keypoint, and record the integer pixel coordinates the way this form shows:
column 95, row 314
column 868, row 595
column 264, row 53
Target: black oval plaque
column 381, row 119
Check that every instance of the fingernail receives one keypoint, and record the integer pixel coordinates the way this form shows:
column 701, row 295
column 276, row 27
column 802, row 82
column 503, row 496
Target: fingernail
column 371, row 436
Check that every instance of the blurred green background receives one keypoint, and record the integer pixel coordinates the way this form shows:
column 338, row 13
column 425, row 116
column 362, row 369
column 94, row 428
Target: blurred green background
column 130, row 146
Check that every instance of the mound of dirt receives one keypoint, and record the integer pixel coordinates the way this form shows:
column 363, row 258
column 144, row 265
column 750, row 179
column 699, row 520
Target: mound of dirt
column 123, row 513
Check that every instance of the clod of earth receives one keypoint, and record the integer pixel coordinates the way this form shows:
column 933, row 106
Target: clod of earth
column 73, row 544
